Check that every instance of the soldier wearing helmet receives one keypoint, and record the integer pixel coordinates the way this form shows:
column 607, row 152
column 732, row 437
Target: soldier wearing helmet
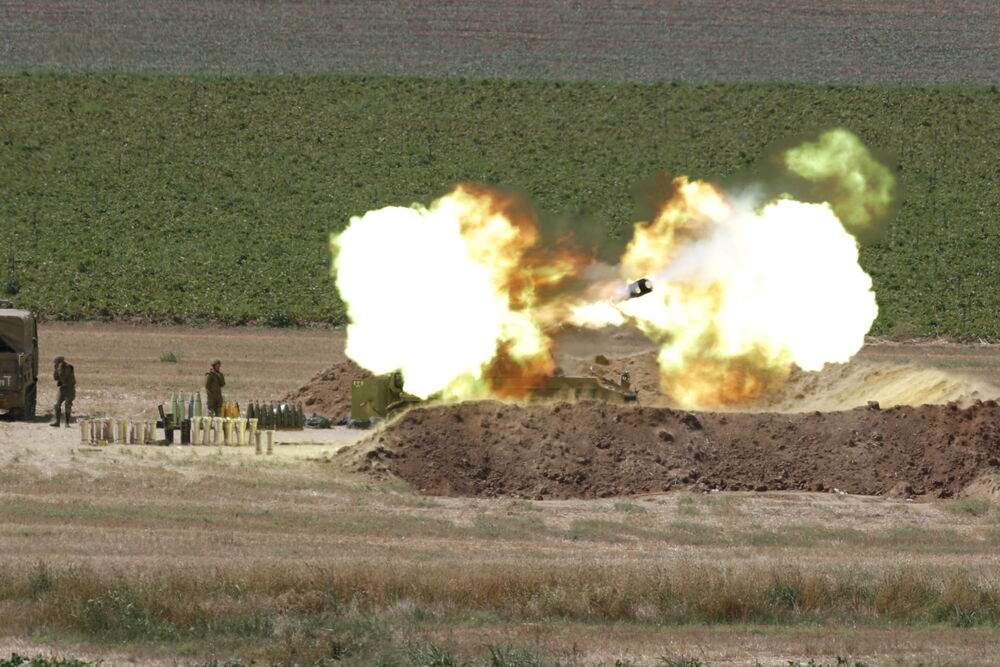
column 65, row 379
column 214, row 382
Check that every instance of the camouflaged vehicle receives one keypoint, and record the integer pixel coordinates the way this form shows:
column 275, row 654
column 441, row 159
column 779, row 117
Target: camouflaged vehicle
column 378, row 398
column 18, row 361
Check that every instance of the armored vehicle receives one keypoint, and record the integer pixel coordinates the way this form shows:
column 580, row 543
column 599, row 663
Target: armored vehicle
column 18, row 361
column 381, row 397
column 378, row 398
column 582, row 388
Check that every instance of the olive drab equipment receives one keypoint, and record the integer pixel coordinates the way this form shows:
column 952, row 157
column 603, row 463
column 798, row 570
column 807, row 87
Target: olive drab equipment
column 381, row 397
column 18, row 361
column 377, row 398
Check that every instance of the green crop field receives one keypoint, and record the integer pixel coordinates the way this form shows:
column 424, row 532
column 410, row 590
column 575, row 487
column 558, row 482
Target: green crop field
column 179, row 198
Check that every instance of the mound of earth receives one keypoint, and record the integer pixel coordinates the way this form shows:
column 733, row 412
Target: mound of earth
column 593, row 449
column 329, row 392
column 836, row 387
column 846, row 386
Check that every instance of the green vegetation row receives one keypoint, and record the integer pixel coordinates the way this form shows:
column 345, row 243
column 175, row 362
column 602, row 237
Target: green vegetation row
column 211, row 199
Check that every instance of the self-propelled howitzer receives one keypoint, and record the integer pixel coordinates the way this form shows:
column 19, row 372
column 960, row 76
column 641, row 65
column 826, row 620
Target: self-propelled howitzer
column 382, row 397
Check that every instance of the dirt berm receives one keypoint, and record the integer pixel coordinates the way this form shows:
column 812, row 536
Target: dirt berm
column 594, row 449
column 329, row 391
column 836, row 387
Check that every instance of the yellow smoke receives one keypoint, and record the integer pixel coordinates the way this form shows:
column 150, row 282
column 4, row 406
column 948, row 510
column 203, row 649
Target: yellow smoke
column 859, row 188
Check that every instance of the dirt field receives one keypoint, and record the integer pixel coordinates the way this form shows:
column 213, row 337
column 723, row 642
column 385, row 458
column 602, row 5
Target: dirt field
column 121, row 371
column 891, row 42
column 197, row 535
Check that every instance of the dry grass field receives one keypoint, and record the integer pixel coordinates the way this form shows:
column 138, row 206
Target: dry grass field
column 120, row 371
column 175, row 555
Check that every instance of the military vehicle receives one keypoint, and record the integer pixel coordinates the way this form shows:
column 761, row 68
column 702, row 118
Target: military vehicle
column 579, row 388
column 381, row 397
column 18, row 361
column 377, row 398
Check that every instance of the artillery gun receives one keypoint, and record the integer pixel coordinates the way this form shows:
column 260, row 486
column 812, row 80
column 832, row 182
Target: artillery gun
column 18, row 361
column 379, row 398
column 382, row 397
column 578, row 388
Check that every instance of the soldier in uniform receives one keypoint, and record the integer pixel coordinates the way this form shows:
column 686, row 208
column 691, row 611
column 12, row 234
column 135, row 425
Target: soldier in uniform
column 66, row 382
column 214, row 382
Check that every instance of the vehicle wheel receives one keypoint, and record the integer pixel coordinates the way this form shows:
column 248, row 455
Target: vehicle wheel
column 29, row 403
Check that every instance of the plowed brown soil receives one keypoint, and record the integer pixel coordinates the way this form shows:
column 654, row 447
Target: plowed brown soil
column 891, row 42
column 593, row 449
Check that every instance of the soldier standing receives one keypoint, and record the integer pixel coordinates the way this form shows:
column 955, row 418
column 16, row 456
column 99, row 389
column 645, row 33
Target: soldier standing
column 214, row 382
column 66, row 382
